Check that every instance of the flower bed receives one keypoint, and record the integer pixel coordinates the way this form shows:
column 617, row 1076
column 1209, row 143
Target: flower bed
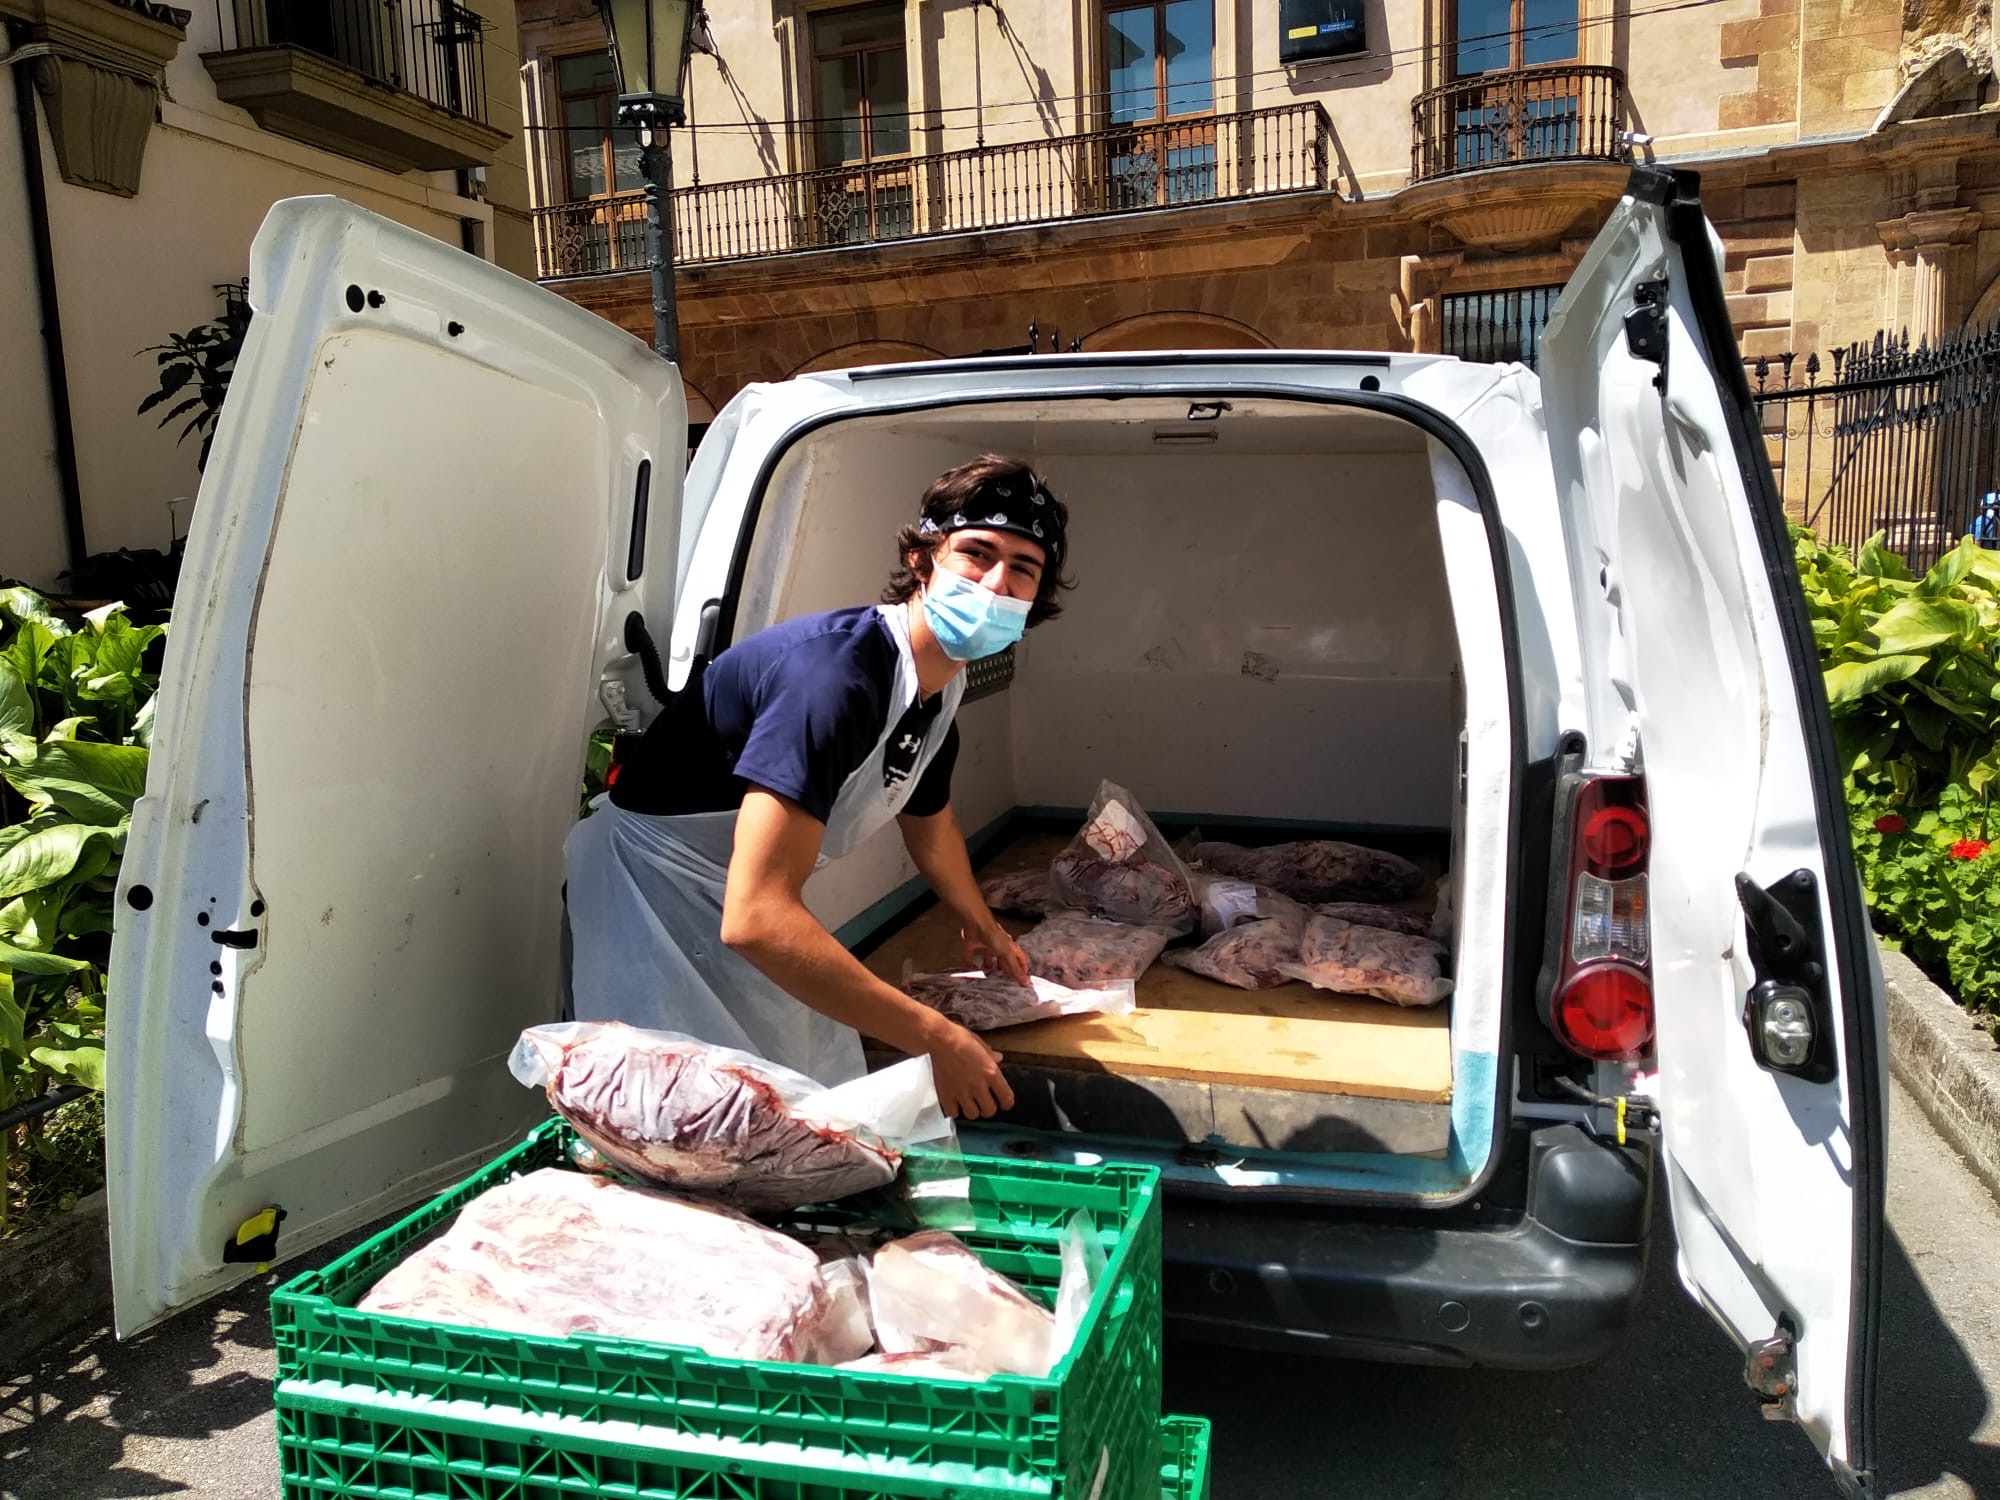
column 1911, row 678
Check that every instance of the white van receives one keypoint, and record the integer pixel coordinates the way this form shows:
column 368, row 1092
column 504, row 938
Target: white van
column 1545, row 633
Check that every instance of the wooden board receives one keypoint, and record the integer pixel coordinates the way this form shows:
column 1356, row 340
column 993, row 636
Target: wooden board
column 1189, row 1027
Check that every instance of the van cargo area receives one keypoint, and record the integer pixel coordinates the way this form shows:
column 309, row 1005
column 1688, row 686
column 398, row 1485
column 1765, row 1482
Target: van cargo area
column 1285, row 624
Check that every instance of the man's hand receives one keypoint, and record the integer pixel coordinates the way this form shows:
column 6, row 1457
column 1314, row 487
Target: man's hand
column 992, row 949
column 970, row 1085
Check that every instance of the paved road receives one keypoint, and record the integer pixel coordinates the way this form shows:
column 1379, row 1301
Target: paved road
column 186, row 1411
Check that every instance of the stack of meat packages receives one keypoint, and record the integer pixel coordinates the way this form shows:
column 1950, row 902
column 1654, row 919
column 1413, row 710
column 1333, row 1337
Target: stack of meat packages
column 707, row 1140
column 1317, row 910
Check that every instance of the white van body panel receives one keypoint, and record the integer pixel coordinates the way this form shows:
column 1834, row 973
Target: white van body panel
column 341, row 901
column 1687, row 677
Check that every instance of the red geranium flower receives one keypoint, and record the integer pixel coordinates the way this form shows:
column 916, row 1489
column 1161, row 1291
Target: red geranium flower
column 1891, row 823
column 1968, row 848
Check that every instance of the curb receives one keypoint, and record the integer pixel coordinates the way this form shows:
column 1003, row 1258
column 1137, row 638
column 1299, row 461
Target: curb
column 1948, row 1063
column 53, row 1280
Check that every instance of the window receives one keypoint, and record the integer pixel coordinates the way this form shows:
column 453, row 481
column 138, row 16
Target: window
column 1159, row 83
column 861, row 98
column 601, row 167
column 1498, row 326
column 1516, row 118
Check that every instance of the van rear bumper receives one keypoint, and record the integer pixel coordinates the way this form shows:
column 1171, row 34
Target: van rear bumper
column 1550, row 1282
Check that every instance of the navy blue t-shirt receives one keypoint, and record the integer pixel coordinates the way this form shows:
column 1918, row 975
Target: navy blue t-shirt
column 797, row 707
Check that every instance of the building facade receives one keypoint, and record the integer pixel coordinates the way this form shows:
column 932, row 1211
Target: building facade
column 910, row 179
column 143, row 145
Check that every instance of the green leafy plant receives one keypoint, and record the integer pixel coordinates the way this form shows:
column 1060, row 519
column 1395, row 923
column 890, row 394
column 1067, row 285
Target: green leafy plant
column 195, row 369
column 75, row 720
column 1910, row 675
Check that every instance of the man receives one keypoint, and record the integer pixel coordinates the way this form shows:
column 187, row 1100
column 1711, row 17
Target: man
column 685, row 891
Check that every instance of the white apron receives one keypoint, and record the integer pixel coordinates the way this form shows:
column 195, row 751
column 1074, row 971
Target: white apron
column 645, row 908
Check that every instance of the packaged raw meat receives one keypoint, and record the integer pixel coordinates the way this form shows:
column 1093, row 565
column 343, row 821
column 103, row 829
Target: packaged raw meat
column 722, row 1123
column 1356, row 960
column 1120, row 867
column 985, row 1002
column 928, row 1290
column 845, row 1331
column 1250, row 956
column 1226, row 903
column 1389, row 918
column 561, row 1253
column 1315, row 869
column 1024, row 894
column 1089, row 953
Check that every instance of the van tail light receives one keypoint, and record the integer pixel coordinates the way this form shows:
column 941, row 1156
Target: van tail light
column 1600, row 1004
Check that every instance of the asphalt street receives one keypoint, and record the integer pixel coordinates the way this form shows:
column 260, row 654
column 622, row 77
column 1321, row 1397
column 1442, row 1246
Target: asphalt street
column 186, row 1410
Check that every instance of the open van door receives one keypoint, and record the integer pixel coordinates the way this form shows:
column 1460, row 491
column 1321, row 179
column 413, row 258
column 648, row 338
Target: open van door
column 1700, row 664
column 435, row 493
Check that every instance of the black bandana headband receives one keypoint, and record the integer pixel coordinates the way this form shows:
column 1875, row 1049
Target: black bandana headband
column 1023, row 506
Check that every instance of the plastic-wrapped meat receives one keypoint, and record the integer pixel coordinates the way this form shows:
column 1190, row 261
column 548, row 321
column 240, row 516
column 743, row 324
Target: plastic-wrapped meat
column 1120, row 867
column 1409, row 923
column 560, row 1253
column 986, row 1002
column 1250, row 956
column 920, row 1364
column 1313, row 870
column 1356, row 960
column 1122, row 890
column 928, row 1292
column 710, row 1120
column 1025, row 894
column 1086, row 953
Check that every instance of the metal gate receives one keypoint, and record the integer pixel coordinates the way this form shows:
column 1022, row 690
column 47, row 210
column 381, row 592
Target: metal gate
column 1901, row 441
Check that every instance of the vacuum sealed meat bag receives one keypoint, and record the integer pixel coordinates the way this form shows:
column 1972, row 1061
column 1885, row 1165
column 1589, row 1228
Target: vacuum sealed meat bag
column 1089, row 953
column 725, row 1124
column 559, row 1253
column 1389, row 918
column 1026, row 893
column 1312, row 870
column 1250, row 956
column 986, row 1002
column 1119, row 867
column 1225, row 903
column 929, row 1293
column 1356, row 960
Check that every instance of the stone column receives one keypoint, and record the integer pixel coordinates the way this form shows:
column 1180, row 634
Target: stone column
column 1422, row 292
column 1929, row 248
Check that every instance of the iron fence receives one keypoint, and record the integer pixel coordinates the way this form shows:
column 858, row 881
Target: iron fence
column 1900, row 440
column 1253, row 154
column 434, row 49
column 1563, row 112
column 1498, row 326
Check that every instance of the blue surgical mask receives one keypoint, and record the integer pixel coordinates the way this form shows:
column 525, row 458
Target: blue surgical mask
column 969, row 619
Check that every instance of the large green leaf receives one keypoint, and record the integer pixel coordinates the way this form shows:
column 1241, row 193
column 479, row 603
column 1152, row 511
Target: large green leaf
column 1877, row 561
column 17, row 712
column 1946, row 572
column 1917, row 623
column 92, row 783
column 46, row 856
column 83, row 1064
column 25, row 605
column 13, row 1020
column 29, row 961
column 1851, row 680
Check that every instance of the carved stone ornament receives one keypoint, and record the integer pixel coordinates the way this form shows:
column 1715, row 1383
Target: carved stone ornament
column 96, row 65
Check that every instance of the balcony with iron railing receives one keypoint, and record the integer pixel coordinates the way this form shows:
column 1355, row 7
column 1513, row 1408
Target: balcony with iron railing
column 1562, row 112
column 1122, row 169
column 398, row 83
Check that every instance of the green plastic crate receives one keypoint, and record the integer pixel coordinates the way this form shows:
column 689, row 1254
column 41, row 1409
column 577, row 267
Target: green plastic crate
column 1184, row 1458
column 347, row 1443
column 1089, row 1426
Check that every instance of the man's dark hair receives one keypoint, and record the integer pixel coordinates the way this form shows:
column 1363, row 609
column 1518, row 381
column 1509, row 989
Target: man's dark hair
column 968, row 490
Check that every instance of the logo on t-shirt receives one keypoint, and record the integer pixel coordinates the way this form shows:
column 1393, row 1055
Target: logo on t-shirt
column 906, row 744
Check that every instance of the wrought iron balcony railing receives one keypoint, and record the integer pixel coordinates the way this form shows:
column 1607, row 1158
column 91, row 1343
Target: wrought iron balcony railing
column 1121, row 169
column 434, row 49
column 1564, row 112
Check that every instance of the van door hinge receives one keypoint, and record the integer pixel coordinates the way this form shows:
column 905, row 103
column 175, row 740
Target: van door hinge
column 1788, row 1013
column 1646, row 328
column 1770, row 1371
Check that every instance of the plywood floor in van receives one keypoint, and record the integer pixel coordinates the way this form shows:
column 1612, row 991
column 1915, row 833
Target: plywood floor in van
column 1293, row 1038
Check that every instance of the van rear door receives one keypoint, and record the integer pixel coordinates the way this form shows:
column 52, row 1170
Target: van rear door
column 435, row 492
column 1700, row 667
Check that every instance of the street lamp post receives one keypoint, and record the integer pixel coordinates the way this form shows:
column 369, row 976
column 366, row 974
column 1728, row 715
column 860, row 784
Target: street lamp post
column 649, row 48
